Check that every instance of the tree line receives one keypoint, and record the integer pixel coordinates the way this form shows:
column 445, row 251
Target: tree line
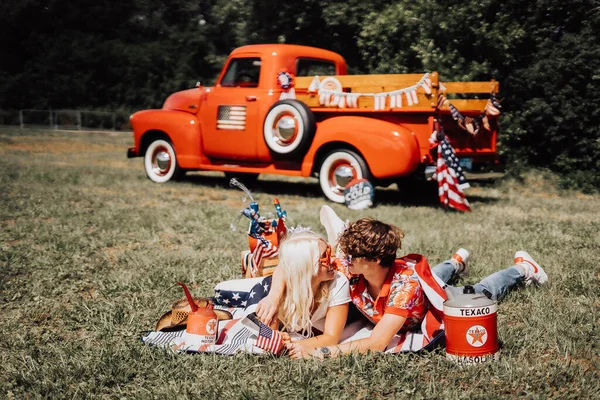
column 131, row 54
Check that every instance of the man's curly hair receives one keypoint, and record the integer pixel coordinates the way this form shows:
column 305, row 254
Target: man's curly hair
column 372, row 239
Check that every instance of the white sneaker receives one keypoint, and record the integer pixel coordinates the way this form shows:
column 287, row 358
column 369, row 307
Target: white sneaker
column 333, row 225
column 533, row 271
column 460, row 260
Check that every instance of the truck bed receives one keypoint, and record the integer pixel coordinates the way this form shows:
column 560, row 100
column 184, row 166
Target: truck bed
column 390, row 82
column 470, row 98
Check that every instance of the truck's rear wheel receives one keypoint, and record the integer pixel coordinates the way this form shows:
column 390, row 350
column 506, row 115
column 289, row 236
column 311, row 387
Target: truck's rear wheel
column 338, row 169
column 160, row 162
column 289, row 128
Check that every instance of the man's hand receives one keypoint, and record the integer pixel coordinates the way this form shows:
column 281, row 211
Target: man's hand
column 266, row 309
column 297, row 351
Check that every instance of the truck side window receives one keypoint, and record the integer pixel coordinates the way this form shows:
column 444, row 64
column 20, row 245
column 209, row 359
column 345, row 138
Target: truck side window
column 242, row 72
column 313, row 66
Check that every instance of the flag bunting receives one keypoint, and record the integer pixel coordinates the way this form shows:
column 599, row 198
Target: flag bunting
column 473, row 125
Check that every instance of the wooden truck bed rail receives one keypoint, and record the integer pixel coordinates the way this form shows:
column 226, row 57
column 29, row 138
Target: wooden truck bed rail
column 370, row 85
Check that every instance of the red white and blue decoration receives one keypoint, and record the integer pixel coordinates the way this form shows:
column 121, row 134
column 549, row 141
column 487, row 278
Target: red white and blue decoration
column 264, row 234
column 359, row 194
column 285, row 82
column 449, row 174
column 243, row 333
column 473, row 125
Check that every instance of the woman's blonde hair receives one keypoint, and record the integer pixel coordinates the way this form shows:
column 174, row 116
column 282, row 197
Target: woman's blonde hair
column 299, row 260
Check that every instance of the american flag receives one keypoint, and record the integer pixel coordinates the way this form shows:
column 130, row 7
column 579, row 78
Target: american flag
column 240, row 294
column 231, row 118
column 268, row 339
column 450, row 177
column 264, row 249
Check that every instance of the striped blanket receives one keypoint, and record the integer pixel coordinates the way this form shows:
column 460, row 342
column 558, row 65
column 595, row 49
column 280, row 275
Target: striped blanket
column 236, row 335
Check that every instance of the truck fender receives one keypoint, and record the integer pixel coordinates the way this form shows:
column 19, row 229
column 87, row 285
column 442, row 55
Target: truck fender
column 182, row 129
column 390, row 150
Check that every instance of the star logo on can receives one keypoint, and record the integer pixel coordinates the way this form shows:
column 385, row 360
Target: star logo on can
column 477, row 335
column 210, row 326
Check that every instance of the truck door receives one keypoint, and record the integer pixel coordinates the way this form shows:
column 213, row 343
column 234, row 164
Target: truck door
column 230, row 112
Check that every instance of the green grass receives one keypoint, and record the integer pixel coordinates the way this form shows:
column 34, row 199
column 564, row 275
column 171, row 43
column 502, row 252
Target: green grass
column 90, row 250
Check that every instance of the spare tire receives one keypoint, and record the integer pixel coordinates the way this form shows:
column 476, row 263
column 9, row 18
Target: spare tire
column 289, row 128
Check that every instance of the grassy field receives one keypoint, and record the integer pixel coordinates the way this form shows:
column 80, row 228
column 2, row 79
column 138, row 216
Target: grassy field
column 90, row 250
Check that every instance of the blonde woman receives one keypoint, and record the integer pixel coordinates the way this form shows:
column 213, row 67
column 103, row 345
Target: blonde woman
column 316, row 297
column 312, row 296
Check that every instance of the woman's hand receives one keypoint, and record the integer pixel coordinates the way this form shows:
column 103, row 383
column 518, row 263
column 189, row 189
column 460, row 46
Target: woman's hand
column 286, row 337
column 297, row 351
column 266, row 309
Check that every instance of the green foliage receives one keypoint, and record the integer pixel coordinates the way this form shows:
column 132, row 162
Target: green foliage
column 132, row 54
column 545, row 54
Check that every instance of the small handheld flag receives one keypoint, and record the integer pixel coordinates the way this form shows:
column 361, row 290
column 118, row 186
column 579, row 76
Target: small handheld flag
column 268, row 339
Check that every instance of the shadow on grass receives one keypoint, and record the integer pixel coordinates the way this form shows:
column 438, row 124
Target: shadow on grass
column 272, row 187
column 418, row 194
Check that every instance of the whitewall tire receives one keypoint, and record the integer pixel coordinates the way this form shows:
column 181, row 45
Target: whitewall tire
column 160, row 162
column 289, row 128
column 338, row 169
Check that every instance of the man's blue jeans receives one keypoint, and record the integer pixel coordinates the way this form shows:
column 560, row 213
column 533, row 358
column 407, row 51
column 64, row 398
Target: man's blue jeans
column 495, row 286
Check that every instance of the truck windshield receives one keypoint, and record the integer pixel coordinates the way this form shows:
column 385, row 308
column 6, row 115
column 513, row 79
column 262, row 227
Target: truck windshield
column 242, row 72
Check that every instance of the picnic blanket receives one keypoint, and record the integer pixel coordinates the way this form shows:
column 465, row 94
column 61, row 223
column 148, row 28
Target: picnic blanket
column 244, row 333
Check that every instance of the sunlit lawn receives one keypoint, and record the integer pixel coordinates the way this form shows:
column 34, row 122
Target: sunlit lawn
column 90, row 250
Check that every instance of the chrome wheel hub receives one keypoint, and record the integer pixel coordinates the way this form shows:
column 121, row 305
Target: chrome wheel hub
column 342, row 175
column 162, row 162
column 286, row 128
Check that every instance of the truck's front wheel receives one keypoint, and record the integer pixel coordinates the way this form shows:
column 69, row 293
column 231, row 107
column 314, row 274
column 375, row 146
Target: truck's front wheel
column 160, row 162
column 338, row 169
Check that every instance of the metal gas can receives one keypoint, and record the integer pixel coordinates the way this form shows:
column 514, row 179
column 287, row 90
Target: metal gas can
column 471, row 326
column 202, row 326
column 202, row 322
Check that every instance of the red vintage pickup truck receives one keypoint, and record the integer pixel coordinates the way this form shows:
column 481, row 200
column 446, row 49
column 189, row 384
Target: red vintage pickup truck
column 293, row 110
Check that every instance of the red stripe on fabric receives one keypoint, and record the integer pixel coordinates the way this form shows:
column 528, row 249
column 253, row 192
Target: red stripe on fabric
column 449, row 191
column 273, row 345
column 431, row 325
column 225, row 329
column 424, row 272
